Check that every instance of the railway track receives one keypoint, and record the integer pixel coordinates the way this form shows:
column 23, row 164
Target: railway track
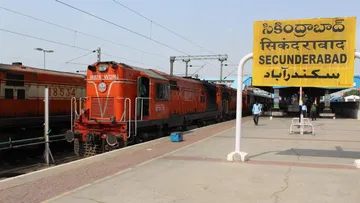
column 15, row 162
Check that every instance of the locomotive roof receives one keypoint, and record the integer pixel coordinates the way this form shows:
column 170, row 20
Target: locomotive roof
column 165, row 76
column 148, row 72
column 174, row 77
column 22, row 68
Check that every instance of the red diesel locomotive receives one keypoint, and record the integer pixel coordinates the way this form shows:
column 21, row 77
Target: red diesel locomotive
column 126, row 104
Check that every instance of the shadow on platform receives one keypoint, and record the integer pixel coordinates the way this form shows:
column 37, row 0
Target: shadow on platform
column 338, row 153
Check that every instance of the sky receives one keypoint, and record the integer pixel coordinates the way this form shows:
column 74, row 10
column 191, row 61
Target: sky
column 218, row 27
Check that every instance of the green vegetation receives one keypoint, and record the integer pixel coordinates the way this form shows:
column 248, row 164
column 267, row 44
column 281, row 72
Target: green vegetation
column 351, row 92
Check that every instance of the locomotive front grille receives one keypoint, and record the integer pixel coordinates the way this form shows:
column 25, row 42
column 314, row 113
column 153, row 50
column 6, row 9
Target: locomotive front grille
column 102, row 107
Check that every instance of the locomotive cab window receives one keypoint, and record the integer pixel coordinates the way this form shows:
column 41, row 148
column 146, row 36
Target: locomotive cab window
column 162, row 91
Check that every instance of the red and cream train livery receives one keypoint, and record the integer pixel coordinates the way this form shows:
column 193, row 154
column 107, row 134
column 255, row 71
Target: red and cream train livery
column 126, row 104
column 22, row 100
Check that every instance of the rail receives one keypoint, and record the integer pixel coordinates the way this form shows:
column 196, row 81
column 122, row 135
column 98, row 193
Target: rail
column 141, row 110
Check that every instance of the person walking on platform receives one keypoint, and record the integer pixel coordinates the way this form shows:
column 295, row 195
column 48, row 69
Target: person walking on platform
column 256, row 110
column 313, row 112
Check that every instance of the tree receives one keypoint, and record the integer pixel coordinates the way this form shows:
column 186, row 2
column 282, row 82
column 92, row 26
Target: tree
column 351, row 92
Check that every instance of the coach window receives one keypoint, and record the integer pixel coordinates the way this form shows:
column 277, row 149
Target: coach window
column 162, row 91
column 15, row 80
column 9, row 94
column 20, row 94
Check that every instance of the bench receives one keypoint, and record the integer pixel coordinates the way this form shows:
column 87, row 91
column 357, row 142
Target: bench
column 306, row 123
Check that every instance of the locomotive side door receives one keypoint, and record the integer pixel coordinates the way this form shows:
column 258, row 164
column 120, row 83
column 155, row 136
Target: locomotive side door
column 144, row 94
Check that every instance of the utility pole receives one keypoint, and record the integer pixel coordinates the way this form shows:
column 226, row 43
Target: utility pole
column 187, row 66
column 99, row 54
column 222, row 59
column 172, row 60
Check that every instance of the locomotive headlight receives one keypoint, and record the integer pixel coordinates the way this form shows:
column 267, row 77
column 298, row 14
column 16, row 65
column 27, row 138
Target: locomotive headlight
column 102, row 87
column 103, row 67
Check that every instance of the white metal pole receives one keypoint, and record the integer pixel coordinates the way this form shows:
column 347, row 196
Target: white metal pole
column 46, row 125
column 357, row 55
column 301, row 115
column 357, row 161
column 237, row 151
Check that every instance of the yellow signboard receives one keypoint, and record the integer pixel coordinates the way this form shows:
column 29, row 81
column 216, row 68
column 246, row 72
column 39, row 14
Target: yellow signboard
column 309, row 53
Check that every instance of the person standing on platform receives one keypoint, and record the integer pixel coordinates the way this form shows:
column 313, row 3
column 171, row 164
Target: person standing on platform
column 304, row 110
column 256, row 110
column 313, row 112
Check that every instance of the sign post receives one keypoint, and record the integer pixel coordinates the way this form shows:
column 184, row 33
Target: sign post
column 299, row 53
column 243, row 155
column 357, row 161
column 304, row 53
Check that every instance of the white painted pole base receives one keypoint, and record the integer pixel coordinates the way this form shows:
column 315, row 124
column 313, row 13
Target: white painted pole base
column 243, row 156
column 357, row 163
column 271, row 117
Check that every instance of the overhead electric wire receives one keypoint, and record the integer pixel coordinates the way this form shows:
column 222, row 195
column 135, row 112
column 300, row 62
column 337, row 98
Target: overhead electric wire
column 63, row 44
column 42, row 39
column 86, row 34
column 127, row 29
column 230, row 73
column 81, row 56
column 83, row 33
column 152, row 21
column 122, row 27
column 48, row 61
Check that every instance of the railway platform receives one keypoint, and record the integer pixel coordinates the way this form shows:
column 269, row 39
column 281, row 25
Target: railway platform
column 282, row 167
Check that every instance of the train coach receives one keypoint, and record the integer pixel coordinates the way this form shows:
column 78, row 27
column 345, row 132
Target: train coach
column 126, row 104
column 249, row 99
column 22, row 100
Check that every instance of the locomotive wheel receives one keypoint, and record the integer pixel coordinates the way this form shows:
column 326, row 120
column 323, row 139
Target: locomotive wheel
column 91, row 149
column 109, row 148
column 137, row 140
column 184, row 128
column 122, row 143
column 160, row 132
column 145, row 136
column 78, row 148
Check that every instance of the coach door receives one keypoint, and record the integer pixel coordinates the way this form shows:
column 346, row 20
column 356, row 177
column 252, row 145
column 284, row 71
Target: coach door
column 143, row 96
